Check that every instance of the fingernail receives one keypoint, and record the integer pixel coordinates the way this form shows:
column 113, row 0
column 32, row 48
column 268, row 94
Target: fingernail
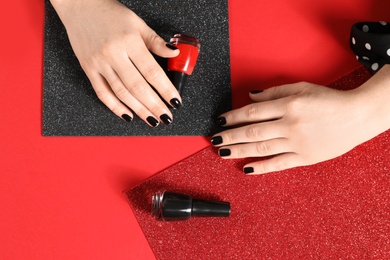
column 166, row 119
column 152, row 121
column 249, row 170
column 127, row 118
column 224, row 152
column 175, row 103
column 255, row 91
column 216, row 140
column 220, row 121
column 170, row 46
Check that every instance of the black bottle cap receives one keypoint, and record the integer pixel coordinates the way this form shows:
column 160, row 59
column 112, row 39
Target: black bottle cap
column 179, row 80
column 210, row 208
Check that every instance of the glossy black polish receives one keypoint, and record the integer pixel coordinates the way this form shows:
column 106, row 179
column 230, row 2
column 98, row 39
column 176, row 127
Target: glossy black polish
column 166, row 119
column 127, row 118
column 152, row 121
column 248, row 170
column 224, row 152
column 220, row 121
column 170, row 46
column 255, row 91
column 175, row 103
column 216, row 140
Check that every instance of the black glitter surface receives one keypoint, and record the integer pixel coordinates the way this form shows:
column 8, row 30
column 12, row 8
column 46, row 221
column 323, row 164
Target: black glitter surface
column 71, row 107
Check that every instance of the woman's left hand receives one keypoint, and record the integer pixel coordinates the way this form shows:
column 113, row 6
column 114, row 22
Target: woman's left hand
column 295, row 125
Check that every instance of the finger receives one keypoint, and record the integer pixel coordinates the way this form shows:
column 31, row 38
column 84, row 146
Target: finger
column 274, row 164
column 278, row 92
column 157, row 45
column 139, row 89
column 256, row 149
column 250, row 133
column 106, row 95
column 255, row 112
column 123, row 94
column 155, row 75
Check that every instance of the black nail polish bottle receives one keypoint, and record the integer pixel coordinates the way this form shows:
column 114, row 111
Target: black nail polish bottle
column 170, row 206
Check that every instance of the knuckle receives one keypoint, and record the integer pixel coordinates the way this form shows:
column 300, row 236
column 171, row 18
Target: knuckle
column 253, row 132
column 239, row 152
column 252, row 112
column 153, row 73
column 104, row 97
column 279, row 165
column 107, row 49
column 295, row 103
column 263, row 148
column 275, row 90
column 138, row 88
column 154, row 38
column 228, row 137
column 122, row 93
column 155, row 109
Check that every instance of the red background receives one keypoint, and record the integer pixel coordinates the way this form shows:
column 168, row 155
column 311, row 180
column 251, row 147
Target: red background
column 61, row 197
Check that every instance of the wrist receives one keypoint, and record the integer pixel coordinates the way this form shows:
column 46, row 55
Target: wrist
column 372, row 99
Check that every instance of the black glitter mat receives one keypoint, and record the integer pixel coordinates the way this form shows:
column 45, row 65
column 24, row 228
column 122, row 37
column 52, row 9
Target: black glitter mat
column 71, row 107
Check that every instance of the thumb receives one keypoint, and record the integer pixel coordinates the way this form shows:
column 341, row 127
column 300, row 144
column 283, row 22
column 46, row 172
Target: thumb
column 157, row 45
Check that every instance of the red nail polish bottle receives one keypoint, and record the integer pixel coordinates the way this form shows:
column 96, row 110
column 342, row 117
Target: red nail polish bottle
column 183, row 65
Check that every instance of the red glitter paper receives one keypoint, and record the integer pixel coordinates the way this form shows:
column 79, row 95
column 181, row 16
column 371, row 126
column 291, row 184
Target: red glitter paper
column 336, row 209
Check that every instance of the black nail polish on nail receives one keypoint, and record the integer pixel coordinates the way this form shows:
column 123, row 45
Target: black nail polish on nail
column 248, row 170
column 127, row 118
column 255, row 91
column 166, row 119
column 170, row 46
column 216, row 140
column 175, row 103
column 220, row 121
column 152, row 121
column 224, row 152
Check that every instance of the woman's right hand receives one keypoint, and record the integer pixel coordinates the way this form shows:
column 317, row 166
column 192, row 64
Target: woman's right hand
column 113, row 46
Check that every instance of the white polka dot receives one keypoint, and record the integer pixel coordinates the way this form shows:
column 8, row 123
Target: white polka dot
column 388, row 52
column 383, row 23
column 368, row 46
column 365, row 58
column 353, row 41
column 374, row 66
column 365, row 28
column 357, row 57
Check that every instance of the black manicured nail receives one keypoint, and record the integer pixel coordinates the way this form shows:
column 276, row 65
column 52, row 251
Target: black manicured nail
column 224, row 152
column 220, row 121
column 166, row 119
column 170, row 46
column 216, row 140
column 127, row 118
column 248, row 170
column 255, row 91
column 175, row 103
column 152, row 121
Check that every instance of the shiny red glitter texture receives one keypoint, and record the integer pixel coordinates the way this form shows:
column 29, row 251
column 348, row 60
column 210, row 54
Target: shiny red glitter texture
column 337, row 209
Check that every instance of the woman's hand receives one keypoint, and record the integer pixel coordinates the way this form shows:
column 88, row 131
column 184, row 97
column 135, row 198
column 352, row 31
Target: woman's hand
column 113, row 47
column 301, row 124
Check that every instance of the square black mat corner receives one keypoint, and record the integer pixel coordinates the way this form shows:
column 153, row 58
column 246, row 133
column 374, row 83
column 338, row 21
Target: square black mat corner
column 71, row 107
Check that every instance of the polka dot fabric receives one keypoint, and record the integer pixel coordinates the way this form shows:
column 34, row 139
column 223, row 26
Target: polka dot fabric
column 338, row 209
column 370, row 41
